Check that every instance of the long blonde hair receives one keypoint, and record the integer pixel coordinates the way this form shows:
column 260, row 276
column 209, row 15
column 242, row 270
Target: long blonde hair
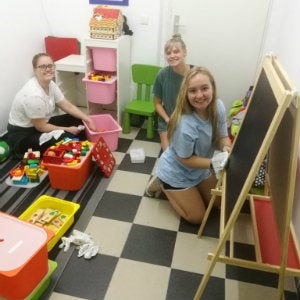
column 183, row 105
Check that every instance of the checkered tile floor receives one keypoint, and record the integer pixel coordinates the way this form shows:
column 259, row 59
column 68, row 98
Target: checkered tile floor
column 148, row 252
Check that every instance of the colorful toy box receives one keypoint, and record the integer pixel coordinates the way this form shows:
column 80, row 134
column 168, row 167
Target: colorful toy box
column 24, row 256
column 101, row 92
column 75, row 168
column 65, row 207
column 107, row 127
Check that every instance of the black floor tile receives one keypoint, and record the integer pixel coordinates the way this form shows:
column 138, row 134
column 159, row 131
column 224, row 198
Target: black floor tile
column 142, row 135
column 183, row 285
column 144, row 168
column 251, row 276
column 243, row 251
column 150, row 245
column 124, row 144
column 211, row 228
column 88, row 279
column 118, row 206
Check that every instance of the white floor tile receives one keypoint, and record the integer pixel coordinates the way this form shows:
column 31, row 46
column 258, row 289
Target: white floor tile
column 109, row 235
column 132, row 135
column 128, row 183
column 137, row 280
column 118, row 156
column 157, row 213
column 243, row 232
column 58, row 296
column 238, row 290
column 190, row 254
column 151, row 149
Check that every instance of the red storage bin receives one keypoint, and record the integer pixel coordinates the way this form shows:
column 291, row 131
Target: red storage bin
column 70, row 178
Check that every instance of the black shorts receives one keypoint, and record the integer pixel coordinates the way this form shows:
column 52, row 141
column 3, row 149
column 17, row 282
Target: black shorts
column 169, row 187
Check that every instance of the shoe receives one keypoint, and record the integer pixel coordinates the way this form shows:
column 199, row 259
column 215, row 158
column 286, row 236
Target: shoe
column 153, row 189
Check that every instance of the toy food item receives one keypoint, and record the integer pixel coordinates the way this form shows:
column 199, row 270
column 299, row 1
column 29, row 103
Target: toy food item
column 51, row 153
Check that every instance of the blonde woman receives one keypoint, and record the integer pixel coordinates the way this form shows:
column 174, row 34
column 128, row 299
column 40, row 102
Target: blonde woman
column 197, row 128
column 165, row 92
column 168, row 82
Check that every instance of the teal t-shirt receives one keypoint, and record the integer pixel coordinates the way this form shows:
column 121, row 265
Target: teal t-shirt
column 166, row 87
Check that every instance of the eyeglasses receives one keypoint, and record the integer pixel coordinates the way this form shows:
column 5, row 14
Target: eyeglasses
column 45, row 67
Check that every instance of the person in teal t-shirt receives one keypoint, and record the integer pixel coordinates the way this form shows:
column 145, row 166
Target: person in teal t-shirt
column 167, row 84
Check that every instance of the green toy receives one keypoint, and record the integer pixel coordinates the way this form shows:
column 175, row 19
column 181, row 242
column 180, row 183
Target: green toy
column 4, row 151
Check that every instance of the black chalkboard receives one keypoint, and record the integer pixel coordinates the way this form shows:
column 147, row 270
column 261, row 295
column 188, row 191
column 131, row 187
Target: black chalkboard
column 258, row 118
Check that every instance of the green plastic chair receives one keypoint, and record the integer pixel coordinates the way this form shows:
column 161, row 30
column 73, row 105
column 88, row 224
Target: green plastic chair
column 143, row 105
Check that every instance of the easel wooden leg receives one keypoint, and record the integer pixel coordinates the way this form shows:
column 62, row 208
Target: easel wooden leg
column 223, row 238
column 215, row 192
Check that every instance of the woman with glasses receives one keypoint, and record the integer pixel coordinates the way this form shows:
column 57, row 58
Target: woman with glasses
column 33, row 120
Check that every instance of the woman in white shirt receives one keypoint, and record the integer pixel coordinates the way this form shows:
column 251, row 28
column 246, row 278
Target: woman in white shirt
column 33, row 112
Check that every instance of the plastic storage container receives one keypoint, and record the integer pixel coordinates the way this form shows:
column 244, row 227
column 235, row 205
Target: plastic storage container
column 42, row 286
column 101, row 92
column 65, row 207
column 104, row 59
column 70, row 178
column 107, row 127
column 24, row 256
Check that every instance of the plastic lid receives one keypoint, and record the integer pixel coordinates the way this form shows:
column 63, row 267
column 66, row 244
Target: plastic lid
column 19, row 241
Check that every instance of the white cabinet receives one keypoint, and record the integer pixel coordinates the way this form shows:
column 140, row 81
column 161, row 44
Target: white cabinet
column 121, row 49
column 69, row 73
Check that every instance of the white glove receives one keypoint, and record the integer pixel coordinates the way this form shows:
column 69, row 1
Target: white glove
column 47, row 136
column 84, row 242
column 219, row 161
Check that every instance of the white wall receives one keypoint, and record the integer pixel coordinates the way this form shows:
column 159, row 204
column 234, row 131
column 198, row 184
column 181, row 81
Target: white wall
column 23, row 27
column 75, row 23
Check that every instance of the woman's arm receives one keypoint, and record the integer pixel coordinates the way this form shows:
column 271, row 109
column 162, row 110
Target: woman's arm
column 160, row 109
column 224, row 144
column 43, row 126
column 195, row 161
column 74, row 111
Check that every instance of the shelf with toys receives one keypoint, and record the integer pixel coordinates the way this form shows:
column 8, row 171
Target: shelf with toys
column 110, row 59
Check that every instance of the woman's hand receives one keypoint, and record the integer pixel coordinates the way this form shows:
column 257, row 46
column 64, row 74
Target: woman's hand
column 226, row 148
column 73, row 129
column 90, row 123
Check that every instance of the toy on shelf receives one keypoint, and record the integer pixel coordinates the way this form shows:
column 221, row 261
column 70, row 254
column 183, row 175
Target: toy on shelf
column 99, row 76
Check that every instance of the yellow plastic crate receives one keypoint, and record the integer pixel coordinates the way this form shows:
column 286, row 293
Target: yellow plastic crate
column 66, row 207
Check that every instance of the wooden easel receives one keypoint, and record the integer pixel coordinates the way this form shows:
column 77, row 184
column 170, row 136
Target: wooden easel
column 278, row 138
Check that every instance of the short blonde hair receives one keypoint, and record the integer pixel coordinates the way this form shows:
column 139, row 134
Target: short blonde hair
column 176, row 39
